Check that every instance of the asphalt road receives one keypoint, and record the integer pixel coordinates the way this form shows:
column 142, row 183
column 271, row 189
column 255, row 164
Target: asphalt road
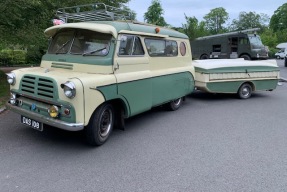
column 212, row 143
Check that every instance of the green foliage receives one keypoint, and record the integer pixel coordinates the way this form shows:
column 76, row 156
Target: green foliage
column 278, row 20
column 4, row 88
column 154, row 14
column 215, row 19
column 249, row 20
column 22, row 22
column 10, row 57
column 193, row 29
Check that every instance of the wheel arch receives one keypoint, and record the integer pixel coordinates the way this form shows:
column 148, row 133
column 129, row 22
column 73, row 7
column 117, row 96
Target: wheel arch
column 248, row 82
column 242, row 54
column 203, row 56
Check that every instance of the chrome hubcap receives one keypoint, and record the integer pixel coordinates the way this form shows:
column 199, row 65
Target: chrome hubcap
column 106, row 123
column 177, row 101
column 245, row 91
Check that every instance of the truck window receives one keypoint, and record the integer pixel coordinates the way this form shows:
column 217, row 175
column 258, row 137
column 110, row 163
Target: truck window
column 255, row 40
column 216, row 48
column 130, row 45
column 243, row 41
column 159, row 47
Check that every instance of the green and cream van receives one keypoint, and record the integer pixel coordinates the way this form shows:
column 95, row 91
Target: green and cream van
column 97, row 73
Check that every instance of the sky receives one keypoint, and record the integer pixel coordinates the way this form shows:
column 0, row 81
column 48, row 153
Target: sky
column 174, row 10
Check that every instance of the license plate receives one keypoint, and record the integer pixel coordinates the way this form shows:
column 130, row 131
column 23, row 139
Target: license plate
column 32, row 123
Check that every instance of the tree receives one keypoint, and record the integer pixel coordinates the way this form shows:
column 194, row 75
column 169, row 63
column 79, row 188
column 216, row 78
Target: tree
column 154, row 14
column 193, row 29
column 250, row 20
column 279, row 18
column 22, row 22
column 215, row 19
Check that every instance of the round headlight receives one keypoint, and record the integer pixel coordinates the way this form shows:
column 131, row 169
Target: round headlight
column 69, row 89
column 11, row 78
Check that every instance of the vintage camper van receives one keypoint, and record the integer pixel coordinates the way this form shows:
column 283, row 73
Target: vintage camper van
column 100, row 69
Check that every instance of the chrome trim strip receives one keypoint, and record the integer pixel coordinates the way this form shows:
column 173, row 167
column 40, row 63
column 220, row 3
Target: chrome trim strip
column 46, row 120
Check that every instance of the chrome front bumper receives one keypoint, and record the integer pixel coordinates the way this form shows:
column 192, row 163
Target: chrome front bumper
column 46, row 120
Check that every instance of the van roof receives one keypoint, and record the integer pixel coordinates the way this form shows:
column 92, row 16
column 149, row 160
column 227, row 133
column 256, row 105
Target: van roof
column 115, row 27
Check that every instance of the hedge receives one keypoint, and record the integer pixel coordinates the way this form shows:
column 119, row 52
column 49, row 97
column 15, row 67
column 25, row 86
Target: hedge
column 9, row 57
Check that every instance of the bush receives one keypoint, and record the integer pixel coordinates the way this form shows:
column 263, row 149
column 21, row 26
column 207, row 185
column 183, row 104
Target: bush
column 34, row 55
column 9, row 57
column 272, row 52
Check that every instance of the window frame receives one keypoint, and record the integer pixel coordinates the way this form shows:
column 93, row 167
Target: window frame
column 130, row 53
column 167, row 43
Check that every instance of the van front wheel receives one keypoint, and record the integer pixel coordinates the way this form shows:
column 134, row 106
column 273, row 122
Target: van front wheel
column 245, row 57
column 101, row 125
column 174, row 104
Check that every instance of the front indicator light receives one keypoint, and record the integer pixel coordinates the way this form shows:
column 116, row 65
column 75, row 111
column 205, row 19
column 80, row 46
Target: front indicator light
column 11, row 78
column 53, row 111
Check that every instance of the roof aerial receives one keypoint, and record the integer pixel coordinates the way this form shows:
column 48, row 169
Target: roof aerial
column 92, row 12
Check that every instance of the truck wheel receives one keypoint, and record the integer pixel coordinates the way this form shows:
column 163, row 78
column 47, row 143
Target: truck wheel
column 101, row 125
column 203, row 57
column 246, row 57
column 245, row 91
column 175, row 104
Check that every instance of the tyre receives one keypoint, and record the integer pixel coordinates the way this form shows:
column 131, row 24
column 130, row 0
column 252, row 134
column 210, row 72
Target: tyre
column 285, row 62
column 203, row 57
column 245, row 91
column 100, row 125
column 175, row 104
column 246, row 57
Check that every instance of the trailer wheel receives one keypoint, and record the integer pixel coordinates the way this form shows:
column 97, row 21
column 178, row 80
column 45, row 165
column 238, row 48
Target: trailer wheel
column 246, row 57
column 101, row 125
column 174, row 104
column 244, row 91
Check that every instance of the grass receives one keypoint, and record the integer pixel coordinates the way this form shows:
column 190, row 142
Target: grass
column 4, row 89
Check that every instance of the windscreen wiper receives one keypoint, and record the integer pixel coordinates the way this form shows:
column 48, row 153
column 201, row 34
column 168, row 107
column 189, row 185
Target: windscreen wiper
column 93, row 51
column 62, row 46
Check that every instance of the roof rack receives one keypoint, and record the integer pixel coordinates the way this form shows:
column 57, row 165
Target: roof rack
column 253, row 30
column 92, row 12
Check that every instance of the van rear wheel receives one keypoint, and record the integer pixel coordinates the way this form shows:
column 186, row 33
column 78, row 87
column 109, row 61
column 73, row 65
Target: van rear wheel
column 174, row 104
column 101, row 125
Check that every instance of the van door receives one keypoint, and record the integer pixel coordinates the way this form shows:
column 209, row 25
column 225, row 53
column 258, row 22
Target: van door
column 131, row 68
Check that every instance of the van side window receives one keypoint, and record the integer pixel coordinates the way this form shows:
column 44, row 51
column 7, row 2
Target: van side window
column 161, row 48
column 130, row 45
